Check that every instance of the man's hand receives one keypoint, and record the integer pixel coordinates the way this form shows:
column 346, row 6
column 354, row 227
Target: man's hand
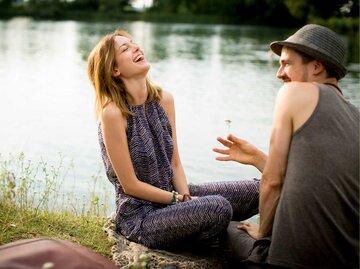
column 251, row 228
column 241, row 151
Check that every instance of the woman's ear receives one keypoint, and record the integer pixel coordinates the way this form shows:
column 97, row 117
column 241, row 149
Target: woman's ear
column 116, row 72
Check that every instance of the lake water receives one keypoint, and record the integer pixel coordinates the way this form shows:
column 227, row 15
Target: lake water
column 215, row 72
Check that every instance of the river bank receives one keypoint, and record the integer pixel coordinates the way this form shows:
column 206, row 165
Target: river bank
column 17, row 224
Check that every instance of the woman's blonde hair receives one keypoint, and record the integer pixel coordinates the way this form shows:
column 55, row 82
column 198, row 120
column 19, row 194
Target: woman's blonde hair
column 101, row 63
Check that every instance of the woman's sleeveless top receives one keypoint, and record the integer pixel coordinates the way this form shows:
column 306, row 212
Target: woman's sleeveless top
column 149, row 138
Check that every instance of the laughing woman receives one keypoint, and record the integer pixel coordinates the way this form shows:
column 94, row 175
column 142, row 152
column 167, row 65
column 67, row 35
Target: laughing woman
column 154, row 204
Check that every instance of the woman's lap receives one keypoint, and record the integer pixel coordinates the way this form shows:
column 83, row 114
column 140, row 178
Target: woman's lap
column 204, row 217
column 243, row 195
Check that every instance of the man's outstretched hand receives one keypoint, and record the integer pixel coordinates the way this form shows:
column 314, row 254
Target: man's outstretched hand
column 241, row 151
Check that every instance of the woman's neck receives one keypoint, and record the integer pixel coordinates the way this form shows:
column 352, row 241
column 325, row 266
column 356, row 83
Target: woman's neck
column 137, row 91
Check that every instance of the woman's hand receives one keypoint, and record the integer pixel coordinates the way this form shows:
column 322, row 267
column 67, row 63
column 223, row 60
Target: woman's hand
column 187, row 197
column 241, row 151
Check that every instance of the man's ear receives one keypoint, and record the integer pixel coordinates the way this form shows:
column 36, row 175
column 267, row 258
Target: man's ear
column 116, row 72
column 318, row 68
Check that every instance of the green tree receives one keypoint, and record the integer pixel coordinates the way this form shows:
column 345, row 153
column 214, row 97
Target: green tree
column 5, row 3
column 47, row 9
column 269, row 12
column 84, row 5
column 113, row 5
column 166, row 6
column 100, row 5
column 307, row 9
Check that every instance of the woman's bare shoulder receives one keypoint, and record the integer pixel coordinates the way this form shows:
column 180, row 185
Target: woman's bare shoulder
column 166, row 98
column 111, row 112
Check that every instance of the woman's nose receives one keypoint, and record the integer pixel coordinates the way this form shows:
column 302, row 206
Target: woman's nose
column 135, row 46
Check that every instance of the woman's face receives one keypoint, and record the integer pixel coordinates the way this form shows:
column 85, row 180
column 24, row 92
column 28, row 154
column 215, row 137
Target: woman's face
column 130, row 61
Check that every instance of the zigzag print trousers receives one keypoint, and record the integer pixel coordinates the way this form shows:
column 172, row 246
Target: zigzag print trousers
column 204, row 219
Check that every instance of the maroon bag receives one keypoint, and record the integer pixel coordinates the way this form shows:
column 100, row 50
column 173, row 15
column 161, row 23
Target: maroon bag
column 50, row 253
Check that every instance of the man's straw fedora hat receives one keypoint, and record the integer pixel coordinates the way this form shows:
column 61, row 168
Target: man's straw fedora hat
column 320, row 43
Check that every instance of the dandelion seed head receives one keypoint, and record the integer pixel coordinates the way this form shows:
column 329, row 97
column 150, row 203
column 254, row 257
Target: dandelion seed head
column 228, row 123
column 48, row 265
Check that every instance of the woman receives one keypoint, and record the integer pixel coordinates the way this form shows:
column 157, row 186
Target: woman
column 155, row 205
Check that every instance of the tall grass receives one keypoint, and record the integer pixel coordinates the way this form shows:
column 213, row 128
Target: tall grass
column 40, row 186
column 33, row 203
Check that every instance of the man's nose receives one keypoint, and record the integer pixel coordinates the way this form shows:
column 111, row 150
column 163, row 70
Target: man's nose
column 280, row 73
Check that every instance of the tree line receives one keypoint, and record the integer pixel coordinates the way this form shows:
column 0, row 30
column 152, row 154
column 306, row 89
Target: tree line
column 273, row 12
column 266, row 12
column 60, row 9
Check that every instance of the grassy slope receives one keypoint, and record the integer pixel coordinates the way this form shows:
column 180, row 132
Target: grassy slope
column 16, row 224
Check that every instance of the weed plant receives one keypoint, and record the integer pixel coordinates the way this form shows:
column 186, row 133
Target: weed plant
column 33, row 204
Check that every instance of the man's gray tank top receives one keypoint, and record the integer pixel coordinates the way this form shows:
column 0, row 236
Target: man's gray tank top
column 317, row 219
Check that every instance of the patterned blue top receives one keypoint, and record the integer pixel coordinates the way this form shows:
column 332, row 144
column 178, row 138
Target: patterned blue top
column 149, row 136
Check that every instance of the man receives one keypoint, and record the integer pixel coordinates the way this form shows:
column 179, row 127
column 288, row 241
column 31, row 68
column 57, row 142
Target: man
column 309, row 193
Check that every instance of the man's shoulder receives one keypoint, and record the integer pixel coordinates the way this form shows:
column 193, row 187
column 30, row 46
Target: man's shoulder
column 298, row 90
column 295, row 86
column 297, row 101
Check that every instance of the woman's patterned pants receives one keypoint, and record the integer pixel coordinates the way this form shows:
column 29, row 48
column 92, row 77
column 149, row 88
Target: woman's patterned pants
column 203, row 219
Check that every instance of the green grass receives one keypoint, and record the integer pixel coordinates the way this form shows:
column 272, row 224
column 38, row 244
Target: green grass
column 33, row 205
column 16, row 224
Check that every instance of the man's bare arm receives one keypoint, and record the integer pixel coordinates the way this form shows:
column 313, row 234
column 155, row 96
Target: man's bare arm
column 275, row 167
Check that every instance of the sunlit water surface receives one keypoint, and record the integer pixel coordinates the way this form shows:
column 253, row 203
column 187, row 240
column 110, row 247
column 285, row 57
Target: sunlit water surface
column 215, row 73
